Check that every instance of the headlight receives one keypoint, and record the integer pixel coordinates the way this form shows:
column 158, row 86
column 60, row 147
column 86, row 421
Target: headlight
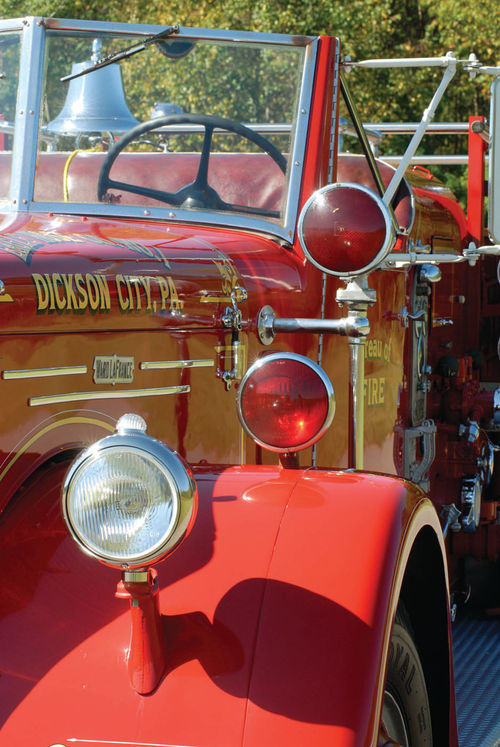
column 128, row 500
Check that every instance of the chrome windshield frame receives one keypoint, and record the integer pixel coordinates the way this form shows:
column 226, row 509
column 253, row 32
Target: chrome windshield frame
column 28, row 116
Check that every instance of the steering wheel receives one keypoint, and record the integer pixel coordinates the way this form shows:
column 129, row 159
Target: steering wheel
column 199, row 193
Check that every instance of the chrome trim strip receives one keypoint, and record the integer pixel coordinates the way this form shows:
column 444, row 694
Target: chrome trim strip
column 263, row 128
column 494, row 164
column 237, row 221
column 53, row 399
column 320, row 347
column 356, row 444
column 157, row 365
column 36, row 373
column 335, row 98
column 405, row 128
column 133, row 29
column 442, row 160
column 12, row 24
column 27, row 115
column 295, row 168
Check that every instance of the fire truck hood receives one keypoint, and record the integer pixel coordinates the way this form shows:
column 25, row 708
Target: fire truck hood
column 77, row 274
column 246, row 606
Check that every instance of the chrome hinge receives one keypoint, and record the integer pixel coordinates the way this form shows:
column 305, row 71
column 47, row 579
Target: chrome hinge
column 232, row 318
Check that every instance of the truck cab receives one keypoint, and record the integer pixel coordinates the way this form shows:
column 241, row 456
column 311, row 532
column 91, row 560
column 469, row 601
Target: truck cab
column 251, row 394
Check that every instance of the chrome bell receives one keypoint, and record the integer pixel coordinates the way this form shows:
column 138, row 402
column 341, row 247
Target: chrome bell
column 95, row 102
column 164, row 109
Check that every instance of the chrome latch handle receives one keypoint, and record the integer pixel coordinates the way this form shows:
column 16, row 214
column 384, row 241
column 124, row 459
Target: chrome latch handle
column 405, row 317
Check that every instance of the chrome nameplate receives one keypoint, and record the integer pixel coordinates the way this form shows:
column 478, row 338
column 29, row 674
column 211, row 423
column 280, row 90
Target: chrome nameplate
column 113, row 369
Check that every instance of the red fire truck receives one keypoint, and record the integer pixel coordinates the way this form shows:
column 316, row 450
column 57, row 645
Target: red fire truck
column 252, row 368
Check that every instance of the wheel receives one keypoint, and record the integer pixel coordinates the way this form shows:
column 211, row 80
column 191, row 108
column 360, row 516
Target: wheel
column 199, row 193
column 406, row 716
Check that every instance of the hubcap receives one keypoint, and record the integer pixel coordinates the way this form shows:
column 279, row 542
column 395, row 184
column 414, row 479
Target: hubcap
column 394, row 721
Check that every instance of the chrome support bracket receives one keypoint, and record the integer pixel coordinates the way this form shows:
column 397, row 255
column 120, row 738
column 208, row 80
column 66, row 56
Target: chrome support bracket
column 232, row 317
column 471, row 502
column 268, row 325
column 357, row 297
column 413, row 469
column 232, row 320
column 236, row 354
column 450, row 513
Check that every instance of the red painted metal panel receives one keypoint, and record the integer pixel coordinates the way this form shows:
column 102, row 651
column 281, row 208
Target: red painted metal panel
column 476, row 182
column 333, row 586
column 264, row 566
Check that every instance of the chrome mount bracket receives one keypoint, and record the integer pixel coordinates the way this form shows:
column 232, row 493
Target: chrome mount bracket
column 413, row 469
column 232, row 320
column 268, row 325
column 232, row 317
column 471, row 502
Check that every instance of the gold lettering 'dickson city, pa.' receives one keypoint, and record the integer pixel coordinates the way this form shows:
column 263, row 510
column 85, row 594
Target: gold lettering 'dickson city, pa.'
column 57, row 292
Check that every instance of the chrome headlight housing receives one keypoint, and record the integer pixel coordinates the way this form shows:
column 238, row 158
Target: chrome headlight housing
column 128, row 500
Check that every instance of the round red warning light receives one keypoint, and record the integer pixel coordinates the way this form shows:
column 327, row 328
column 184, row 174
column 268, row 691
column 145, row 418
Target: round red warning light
column 346, row 229
column 285, row 402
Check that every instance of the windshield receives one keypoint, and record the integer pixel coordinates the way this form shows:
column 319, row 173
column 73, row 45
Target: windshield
column 188, row 123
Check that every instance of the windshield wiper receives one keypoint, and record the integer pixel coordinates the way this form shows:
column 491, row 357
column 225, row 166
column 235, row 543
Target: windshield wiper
column 124, row 54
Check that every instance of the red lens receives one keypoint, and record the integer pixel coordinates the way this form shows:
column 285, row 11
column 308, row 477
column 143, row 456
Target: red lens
column 344, row 228
column 285, row 403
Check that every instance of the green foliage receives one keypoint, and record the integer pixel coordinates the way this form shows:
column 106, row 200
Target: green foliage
column 367, row 28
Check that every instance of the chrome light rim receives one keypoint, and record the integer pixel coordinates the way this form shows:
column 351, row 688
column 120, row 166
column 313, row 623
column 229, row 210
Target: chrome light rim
column 174, row 471
column 265, row 360
column 390, row 234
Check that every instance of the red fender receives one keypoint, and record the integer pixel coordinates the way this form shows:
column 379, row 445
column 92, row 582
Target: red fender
column 333, row 588
column 276, row 612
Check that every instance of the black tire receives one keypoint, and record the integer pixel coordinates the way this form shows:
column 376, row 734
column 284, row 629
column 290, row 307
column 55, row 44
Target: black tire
column 406, row 714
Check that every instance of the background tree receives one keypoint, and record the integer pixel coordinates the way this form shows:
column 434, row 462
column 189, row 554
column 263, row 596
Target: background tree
column 367, row 28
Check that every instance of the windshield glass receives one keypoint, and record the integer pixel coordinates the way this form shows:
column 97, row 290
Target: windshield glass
column 9, row 77
column 220, row 120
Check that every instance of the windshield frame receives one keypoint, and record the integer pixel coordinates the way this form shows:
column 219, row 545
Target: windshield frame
column 29, row 101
